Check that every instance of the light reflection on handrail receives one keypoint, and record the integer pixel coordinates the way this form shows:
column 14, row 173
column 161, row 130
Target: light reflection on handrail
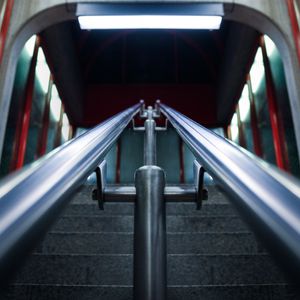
column 267, row 198
column 32, row 198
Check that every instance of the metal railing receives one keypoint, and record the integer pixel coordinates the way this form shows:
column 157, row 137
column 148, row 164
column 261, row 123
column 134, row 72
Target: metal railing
column 268, row 199
column 31, row 199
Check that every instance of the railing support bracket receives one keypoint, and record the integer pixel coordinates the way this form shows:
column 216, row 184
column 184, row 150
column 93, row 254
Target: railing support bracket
column 98, row 193
column 202, row 193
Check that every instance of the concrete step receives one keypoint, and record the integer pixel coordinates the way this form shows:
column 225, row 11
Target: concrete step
column 183, row 269
column 91, row 208
column 92, row 292
column 122, row 243
column 88, row 255
column 178, row 223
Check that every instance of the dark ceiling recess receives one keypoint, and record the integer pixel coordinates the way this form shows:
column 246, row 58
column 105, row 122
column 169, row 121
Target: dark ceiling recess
column 101, row 72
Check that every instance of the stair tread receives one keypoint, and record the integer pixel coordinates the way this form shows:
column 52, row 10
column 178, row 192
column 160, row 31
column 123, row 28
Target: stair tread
column 191, row 269
column 169, row 285
column 180, row 223
column 178, row 292
column 122, row 242
column 91, row 208
column 212, row 255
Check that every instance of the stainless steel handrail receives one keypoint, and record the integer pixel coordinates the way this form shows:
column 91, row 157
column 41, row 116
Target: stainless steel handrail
column 31, row 199
column 268, row 199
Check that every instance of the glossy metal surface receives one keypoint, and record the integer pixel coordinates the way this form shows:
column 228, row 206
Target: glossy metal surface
column 267, row 198
column 180, row 193
column 150, row 257
column 31, row 199
column 172, row 193
column 150, row 140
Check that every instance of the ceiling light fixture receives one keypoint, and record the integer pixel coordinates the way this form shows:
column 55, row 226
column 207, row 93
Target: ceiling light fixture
column 149, row 22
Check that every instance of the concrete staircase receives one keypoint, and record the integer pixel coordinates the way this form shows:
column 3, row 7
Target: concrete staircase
column 88, row 255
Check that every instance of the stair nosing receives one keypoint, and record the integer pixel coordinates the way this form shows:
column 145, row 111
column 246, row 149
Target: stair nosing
column 169, row 254
column 169, row 286
column 168, row 232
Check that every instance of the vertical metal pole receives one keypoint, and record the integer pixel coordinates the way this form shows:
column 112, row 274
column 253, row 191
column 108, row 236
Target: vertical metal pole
column 150, row 235
column 150, row 139
column 150, row 255
column 277, row 128
column 4, row 26
column 181, row 160
column 25, row 122
column 118, row 163
column 294, row 25
column 42, row 145
column 254, row 122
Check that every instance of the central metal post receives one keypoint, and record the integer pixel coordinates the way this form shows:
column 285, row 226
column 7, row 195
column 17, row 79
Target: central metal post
column 150, row 256
column 150, row 139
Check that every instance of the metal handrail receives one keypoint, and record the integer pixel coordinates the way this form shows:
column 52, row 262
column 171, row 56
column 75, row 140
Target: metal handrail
column 267, row 198
column 31, row 199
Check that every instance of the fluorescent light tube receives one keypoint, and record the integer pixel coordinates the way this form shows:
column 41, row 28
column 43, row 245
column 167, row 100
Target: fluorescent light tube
column 149, row 22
